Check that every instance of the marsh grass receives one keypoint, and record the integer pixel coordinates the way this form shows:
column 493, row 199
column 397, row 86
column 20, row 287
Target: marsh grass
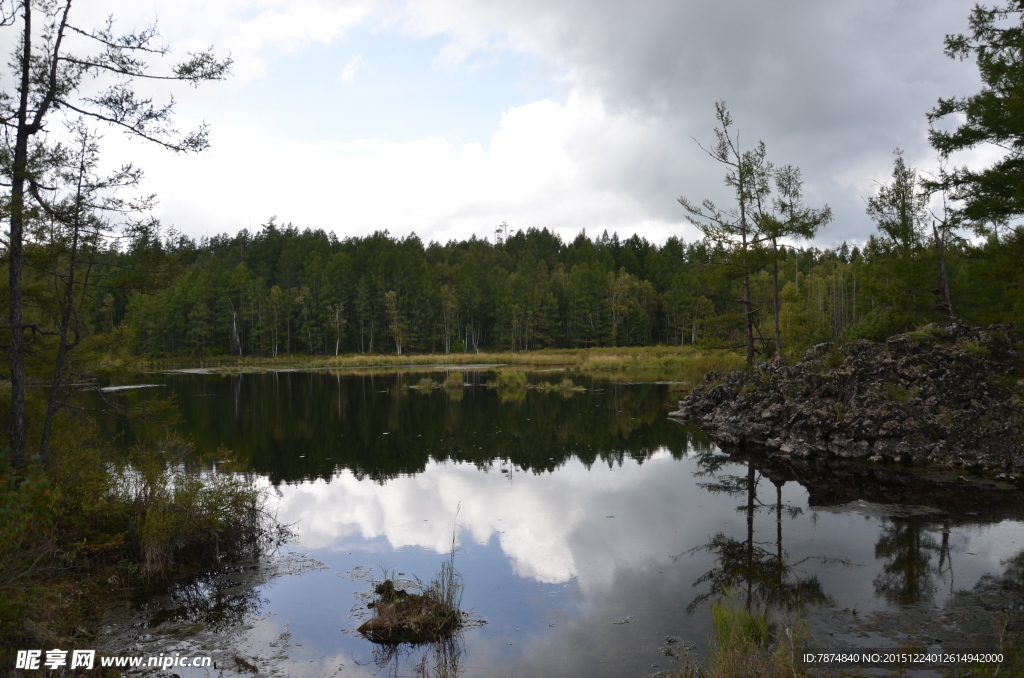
column 430, row 616
column 510, row 380
column 181, row 515
column 446, row 589
column 90, row 528
column 454, row 380
column 683, row 363
column 744, row 644
column 566, row 386
column 425, row 384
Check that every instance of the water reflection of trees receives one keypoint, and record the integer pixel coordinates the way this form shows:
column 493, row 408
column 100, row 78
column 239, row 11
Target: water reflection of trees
column 906, row 549
column 758, row 571
column 300, row 426
column 913, row 558
column 217, row 600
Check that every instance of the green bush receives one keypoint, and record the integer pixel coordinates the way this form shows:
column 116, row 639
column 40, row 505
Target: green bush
column 514, row 379
column 185, row 518
column 900, row 394
column 89, row 525
column 26, row 544
column 455, row 380
column 834, row 359
column 879, row 324
column 425, row 384
column 975, row 347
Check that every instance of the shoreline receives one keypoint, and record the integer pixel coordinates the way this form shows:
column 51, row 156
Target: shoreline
column 947, row 396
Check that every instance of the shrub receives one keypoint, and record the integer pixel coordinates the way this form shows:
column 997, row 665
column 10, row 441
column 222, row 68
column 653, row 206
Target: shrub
column 975, row 347
column 186, row 518
column 514, row 379
column 879, row 324
column 425, row 384
column 834, row 359
column 900, row 394
column 455, row 380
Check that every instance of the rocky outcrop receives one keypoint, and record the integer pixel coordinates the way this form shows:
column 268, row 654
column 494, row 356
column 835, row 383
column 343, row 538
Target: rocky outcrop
column 947, row 395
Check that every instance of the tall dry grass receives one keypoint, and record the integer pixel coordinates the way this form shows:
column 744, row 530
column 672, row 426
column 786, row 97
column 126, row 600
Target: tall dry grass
column 675, row 363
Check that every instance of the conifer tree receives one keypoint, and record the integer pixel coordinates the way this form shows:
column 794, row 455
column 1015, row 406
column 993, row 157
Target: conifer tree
column 994, row 196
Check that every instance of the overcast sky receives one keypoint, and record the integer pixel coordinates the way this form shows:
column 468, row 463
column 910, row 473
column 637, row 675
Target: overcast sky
column 446, row 117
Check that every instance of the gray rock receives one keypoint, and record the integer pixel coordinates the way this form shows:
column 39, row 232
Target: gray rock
column 944, row 395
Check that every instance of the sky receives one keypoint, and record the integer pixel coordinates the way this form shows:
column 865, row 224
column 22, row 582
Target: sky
column 447, row 117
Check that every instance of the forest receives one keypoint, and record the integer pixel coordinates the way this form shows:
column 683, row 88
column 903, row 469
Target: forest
column 282, row 291
column 89, row 281
column 87, row 266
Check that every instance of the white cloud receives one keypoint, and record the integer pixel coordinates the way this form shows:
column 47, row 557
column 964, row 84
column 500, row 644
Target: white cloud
column 352, row 68
column 832, row 89
column 552, row 527
column 547, row 165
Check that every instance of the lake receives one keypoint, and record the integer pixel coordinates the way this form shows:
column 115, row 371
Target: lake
column 588, row 528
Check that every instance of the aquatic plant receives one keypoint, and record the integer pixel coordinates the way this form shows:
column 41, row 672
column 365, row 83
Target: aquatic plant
column 744, row 643
column 513, row 379
column 455, row 380
column 400, row 616
column 425, row 384
column 92, row 524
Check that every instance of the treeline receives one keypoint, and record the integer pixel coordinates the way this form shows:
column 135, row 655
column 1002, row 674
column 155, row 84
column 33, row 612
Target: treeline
column 285, row 291
column 83, row 262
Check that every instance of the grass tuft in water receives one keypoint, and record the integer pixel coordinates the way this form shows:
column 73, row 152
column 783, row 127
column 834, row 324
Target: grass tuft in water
column 432, row 615
column 425, row 384
column 511, row 380
column 742, row 646
column 455, row 380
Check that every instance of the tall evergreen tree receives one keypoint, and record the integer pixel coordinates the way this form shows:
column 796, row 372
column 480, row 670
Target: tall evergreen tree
column 994, row 196
column 900, row 209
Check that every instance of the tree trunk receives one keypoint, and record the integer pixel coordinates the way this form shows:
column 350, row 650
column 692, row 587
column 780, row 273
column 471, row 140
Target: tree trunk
column 751, row 498
column 946, row 302
column 15, row 254
column 775, row 302
column 748, row 317
column 52, row 404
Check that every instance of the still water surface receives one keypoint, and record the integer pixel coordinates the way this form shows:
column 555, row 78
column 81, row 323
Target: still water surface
column 589, row 528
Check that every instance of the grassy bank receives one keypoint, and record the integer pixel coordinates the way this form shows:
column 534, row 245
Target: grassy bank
column 681, row 363
column 87, row 532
